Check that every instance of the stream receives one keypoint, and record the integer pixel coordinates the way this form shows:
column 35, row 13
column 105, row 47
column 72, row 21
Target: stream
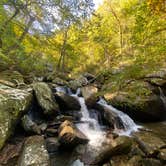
column 95, row 132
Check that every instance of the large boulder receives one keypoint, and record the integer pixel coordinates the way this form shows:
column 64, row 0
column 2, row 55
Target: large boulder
column 70, row 136
column 13, row 104
column 89, row 94
column 118, row 146
column 45, row 98
column 140, row 100
column 34, row 152
column 67, row 102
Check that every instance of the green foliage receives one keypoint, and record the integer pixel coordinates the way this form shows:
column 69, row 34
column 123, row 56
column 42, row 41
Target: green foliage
column 123, row 39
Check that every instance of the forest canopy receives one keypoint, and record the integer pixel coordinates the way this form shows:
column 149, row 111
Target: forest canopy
column 71, row 36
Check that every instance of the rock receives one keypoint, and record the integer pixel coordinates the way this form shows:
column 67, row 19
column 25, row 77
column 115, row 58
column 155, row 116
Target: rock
column 149, row 143
column 52, row 144
column 140, row 100
column 11, row 78
column 34, row 152
column 10, row 153
column 13, row 104
column 110, row 117
column 162, row 155
column 45, row 98
column 67, row 102
column 89, row 94
column 78, row 83
column 139, row 161
column 118, row 146
column 120, row 160
column 50, row 132
column 59, row 81
column 70, row 136
column 90, row 77
column 29, row 125
column 62, row 118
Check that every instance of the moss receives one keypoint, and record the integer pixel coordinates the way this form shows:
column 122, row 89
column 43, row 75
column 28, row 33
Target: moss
column 13, row 104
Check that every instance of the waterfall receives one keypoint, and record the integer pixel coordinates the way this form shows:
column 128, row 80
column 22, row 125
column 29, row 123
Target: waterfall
column 92, row 128
column 128, row 123
column 162, row 97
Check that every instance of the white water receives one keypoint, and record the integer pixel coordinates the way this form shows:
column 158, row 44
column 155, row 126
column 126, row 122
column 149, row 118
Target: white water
column 129, row 125
column 92, row 128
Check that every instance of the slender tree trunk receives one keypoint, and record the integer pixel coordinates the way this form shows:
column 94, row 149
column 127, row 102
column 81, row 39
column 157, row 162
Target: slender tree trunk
column 61, row 61
column 120, row 29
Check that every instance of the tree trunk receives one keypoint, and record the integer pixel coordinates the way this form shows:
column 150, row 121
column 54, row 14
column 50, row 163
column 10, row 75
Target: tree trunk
column 61, row 61
column 120, row 29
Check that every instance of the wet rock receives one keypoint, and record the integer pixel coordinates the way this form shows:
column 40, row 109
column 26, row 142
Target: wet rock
column 52, row 144
column 29, row 125
column 10, row 153
column 70, row 136
column 67, row 102
column 34, row 152
column 89, row 94
column 111, row 118
column 149, row 143
column 11, row 78
column 45, row 98
column 13, row 104
column 118, row 146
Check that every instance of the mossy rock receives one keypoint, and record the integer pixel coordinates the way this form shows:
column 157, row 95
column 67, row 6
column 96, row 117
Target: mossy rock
column 13, row 104
column 45, row 98
column 139, row 99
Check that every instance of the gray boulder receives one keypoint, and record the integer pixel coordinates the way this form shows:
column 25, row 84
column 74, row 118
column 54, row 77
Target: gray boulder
column 67, row 102
column 90, row 95
column 45, row 98
column 13, row 104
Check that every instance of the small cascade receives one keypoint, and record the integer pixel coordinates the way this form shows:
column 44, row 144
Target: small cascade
column 128, row 123
column 162, row 97
column 92, row 128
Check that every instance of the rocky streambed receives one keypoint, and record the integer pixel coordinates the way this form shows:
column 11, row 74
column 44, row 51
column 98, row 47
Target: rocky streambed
column 61, row 122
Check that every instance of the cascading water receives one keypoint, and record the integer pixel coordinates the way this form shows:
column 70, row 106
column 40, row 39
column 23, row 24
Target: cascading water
column 92, row 128
column 128, row 123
